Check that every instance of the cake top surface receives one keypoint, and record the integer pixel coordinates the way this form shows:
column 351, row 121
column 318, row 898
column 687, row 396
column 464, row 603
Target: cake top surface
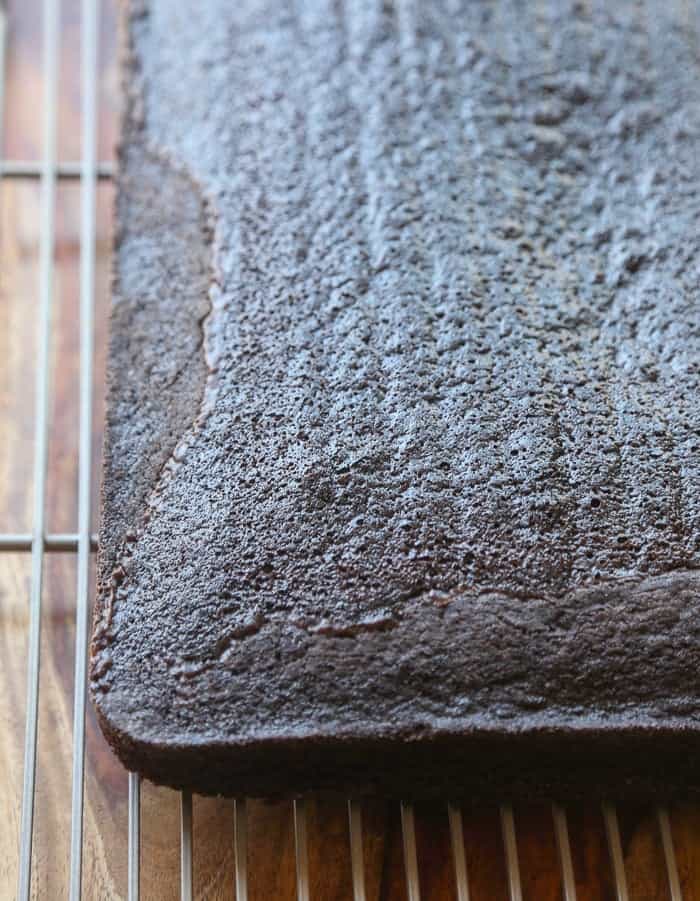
column 404, row 369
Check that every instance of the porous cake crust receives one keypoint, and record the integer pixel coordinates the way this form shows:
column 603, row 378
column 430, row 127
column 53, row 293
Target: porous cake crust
column 402, row 470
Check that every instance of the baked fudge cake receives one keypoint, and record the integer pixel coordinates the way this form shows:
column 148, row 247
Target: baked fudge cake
column 402, row 472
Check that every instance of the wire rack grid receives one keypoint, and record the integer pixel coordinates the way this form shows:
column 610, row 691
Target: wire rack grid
column 82, row 543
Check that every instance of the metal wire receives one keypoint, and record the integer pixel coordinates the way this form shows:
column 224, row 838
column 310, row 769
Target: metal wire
column 410, row 853
column 3, row 49
column 58, row 543
column 454, row 814
column 674, row 883
column 301, row 850
column 357, row 854
column 510, row 847
column 65, row 171
column 561, row 834
column 90, row 12
column 612, row 831
column 240, row 844
column 47, row 239
column 185, row 846
column 134, row 849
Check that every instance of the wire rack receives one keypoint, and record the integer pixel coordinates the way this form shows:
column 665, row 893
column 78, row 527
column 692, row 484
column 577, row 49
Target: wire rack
column 82, row 543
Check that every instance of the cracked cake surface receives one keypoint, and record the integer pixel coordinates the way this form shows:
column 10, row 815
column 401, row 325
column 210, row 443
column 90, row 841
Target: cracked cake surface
column 401, row 484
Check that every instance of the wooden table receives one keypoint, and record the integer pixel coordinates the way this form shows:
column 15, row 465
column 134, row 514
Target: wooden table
column 271, row 847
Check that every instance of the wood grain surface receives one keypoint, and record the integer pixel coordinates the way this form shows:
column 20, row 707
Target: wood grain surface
column 271, row 848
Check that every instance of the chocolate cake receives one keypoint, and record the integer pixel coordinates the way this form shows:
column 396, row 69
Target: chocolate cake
column 402, row 472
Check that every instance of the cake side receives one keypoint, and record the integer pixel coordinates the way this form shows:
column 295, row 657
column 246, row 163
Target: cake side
column 402, row 450
column 591, row 695
column 157, row 367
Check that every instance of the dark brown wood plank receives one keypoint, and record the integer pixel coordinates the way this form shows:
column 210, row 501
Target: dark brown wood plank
column 437, row 878
column 644, row 860
column 271, row 868
column 484, row 851
column 330, row 867
column 590, row 854
column 537, row 852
